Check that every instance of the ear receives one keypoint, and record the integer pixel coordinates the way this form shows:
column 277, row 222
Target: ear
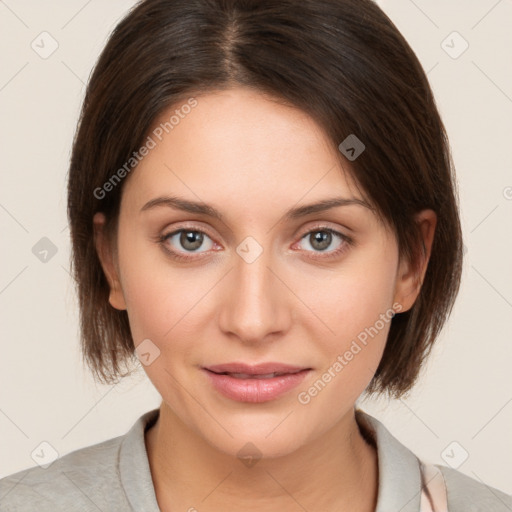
column 409, row 278
column 108, row 261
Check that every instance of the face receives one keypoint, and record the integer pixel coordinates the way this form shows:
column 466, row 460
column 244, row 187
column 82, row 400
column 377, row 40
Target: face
column 315, row 290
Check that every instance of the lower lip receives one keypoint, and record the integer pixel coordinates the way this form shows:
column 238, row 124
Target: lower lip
column 255, row 390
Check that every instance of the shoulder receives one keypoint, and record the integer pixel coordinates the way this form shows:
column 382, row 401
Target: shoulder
column 400, row 478
column 85, row 479
column 466, row 494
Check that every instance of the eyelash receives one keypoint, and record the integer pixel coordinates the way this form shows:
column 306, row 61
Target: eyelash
column 347, row 242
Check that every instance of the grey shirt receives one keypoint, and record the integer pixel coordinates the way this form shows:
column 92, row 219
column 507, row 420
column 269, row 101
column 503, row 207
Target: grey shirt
column 114, row 475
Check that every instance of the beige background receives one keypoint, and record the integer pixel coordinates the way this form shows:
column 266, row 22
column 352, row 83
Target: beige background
column 465, row 394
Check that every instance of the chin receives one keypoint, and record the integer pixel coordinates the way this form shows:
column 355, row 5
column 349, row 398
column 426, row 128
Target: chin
column 255, row 442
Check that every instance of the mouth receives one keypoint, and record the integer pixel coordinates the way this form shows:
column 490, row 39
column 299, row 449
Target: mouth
column 255, row 383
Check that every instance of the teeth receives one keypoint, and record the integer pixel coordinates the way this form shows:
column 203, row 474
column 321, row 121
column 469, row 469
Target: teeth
column 249, row 376
column 262, row 376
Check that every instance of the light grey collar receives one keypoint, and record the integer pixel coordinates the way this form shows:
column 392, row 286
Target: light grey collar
column 399, row 470
column 134, row 466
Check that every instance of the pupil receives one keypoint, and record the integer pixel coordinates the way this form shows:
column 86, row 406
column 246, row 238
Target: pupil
column 191, row 240
column 324, row 237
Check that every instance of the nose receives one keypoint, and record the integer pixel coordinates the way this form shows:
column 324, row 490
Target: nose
column 257, row 303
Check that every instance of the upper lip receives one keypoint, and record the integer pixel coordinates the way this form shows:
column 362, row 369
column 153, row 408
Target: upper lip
column 255, row 369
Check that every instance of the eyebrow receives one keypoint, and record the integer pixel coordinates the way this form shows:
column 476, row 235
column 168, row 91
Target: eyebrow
column 294, row 213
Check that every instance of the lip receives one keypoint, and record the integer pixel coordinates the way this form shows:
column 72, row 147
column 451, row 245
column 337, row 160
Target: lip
column 255, row 389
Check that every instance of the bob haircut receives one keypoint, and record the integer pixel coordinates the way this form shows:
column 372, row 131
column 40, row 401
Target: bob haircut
column 345, row 64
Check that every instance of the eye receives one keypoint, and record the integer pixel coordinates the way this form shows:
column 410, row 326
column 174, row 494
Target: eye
column 183, row 241
column 321, row 238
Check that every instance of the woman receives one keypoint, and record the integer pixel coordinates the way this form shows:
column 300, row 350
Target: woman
column 263, row 211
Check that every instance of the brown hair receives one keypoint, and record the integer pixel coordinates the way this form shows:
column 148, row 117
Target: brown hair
column 341, row 61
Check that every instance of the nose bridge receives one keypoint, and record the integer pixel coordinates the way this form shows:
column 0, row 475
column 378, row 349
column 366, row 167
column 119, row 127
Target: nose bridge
column 255, row 305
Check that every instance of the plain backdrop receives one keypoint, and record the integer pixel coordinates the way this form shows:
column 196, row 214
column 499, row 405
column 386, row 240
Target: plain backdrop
column 459, row 413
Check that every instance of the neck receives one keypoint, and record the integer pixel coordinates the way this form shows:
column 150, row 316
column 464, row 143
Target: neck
column 337, row 471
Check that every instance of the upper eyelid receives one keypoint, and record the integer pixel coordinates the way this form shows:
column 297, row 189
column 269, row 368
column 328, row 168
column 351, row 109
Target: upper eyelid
column 320, row 225
column 174, row 231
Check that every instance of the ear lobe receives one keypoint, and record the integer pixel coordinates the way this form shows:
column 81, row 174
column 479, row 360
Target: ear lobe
column 410, row 277
column 108, row 263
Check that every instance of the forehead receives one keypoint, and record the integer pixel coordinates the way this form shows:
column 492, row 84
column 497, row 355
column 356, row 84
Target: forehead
column 238, row 148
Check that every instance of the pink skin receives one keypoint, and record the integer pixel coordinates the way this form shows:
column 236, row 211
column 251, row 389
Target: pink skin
column 253, row 159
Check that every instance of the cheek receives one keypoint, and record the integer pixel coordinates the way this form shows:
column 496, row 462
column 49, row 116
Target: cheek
column 157, row 304
column 148, row 289
column 165, row 303
column 352, row 297
column 355, row 308
column 360, row 324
